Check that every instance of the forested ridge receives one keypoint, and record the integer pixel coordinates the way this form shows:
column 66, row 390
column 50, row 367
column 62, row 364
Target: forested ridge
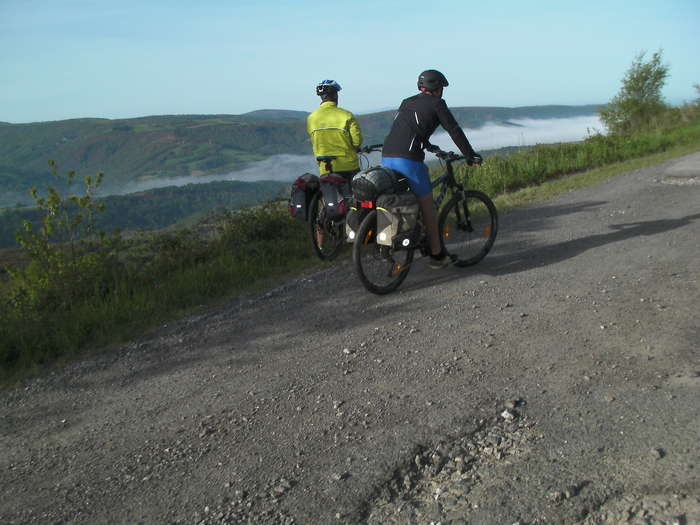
column 142, row 149
column 157, row 208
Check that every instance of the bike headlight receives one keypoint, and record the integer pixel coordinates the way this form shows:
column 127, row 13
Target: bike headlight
column 405, row 242
column 351, row 235
column 382, row 236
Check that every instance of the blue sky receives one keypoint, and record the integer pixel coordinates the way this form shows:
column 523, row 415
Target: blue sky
column 118, row 59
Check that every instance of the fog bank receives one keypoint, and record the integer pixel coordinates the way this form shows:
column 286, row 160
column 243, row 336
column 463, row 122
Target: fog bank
column 277, row 167
column 524, row 132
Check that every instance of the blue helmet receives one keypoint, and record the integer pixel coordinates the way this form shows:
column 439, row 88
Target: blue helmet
column 326, row 87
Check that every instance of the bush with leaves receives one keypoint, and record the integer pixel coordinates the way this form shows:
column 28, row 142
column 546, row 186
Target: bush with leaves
column 639, row 103
column 68, row 258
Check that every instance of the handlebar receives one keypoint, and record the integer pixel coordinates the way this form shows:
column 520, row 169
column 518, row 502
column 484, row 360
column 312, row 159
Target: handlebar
column 370, row 149
column 447, row 156
column 451, row 156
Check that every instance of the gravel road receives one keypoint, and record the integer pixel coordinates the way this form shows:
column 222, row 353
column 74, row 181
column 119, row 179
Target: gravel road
column 556, row 382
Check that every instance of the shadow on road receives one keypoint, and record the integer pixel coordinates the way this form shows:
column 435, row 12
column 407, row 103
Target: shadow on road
column 544, row 254
column 518, row 254
column 515, row 245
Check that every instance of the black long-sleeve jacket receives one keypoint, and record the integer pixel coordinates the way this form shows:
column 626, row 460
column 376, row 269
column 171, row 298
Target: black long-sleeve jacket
column 418, row 117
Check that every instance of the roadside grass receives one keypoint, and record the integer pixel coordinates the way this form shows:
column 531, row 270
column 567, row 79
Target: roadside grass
column 570, row 182
column 504, row 174
column 156, row 277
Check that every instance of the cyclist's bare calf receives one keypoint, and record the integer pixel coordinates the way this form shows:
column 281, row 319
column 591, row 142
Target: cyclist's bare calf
column 427, row 207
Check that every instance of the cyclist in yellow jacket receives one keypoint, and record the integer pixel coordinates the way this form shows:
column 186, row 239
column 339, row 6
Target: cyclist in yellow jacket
column 334, row 132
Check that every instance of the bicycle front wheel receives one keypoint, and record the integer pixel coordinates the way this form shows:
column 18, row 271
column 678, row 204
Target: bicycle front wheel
column 380, row 268
column 327, row 236
column 468, row 226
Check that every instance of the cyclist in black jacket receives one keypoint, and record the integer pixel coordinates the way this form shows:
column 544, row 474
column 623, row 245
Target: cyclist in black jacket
column 418, row 117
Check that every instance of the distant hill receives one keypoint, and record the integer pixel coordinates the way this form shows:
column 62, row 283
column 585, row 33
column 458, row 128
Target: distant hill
column 139, row 149
column 276, row 114
column 147, row 148
column 158, row 208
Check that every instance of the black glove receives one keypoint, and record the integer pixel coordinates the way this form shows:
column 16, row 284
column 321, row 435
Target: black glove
column 475, row 159
column 432, row 148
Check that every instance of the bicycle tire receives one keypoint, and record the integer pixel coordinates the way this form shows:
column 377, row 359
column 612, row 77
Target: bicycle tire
column 468, row 226
column 380, row 268
column 333, row 237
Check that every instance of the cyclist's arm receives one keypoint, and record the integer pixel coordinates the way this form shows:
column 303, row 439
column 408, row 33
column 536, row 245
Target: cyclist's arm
column 355, row 132
column 310, row 128
column 448, row 122
column 309, row 125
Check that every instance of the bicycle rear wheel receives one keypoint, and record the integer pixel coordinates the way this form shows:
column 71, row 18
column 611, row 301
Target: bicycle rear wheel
column 380, row 268
column 327, row 236
column 468, row 226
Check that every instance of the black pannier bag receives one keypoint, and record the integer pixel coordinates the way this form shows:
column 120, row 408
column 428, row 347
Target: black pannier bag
column 337, row 195
column 370, row 184
column 303, row 189
column 353, row 219
column 397, row 215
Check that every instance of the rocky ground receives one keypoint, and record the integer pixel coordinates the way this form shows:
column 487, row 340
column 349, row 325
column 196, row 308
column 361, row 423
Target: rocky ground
column 556, row 382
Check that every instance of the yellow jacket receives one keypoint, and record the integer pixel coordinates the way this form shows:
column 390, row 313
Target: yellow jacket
column 334, row 131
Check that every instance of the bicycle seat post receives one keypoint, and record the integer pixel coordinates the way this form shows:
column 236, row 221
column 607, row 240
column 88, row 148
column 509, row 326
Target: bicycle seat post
column 328, row 161
column 449, row 168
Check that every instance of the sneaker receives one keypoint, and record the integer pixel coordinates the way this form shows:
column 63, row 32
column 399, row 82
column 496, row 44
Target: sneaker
column 440, row 262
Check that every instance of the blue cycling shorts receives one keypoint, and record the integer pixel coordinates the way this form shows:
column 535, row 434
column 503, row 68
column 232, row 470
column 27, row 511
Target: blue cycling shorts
column 416, row 172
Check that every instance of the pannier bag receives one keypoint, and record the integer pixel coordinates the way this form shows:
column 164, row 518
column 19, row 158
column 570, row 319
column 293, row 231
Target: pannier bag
column 336, row 195
column 353, row 220
column 370, row 184
column 397, row 215
column 303, row 189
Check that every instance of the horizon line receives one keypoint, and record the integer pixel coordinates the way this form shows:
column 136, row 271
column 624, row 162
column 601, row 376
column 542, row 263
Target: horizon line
column 383, row 110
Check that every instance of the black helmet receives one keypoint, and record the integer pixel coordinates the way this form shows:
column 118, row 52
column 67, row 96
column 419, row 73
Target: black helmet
column 431, row 79
column 327, row 87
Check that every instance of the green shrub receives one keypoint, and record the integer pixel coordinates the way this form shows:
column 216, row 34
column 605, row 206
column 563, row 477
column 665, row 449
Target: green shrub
column 639, row 104
column 100, row 289
column 68, row 258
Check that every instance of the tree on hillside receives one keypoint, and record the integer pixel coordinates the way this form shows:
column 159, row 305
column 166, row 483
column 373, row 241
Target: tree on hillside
column 639, row 101
column 68, row 257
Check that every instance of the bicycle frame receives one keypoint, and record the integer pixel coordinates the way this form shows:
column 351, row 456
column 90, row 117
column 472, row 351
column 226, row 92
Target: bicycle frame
column 382, row 268
column 323, row 227
column 446, row 181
